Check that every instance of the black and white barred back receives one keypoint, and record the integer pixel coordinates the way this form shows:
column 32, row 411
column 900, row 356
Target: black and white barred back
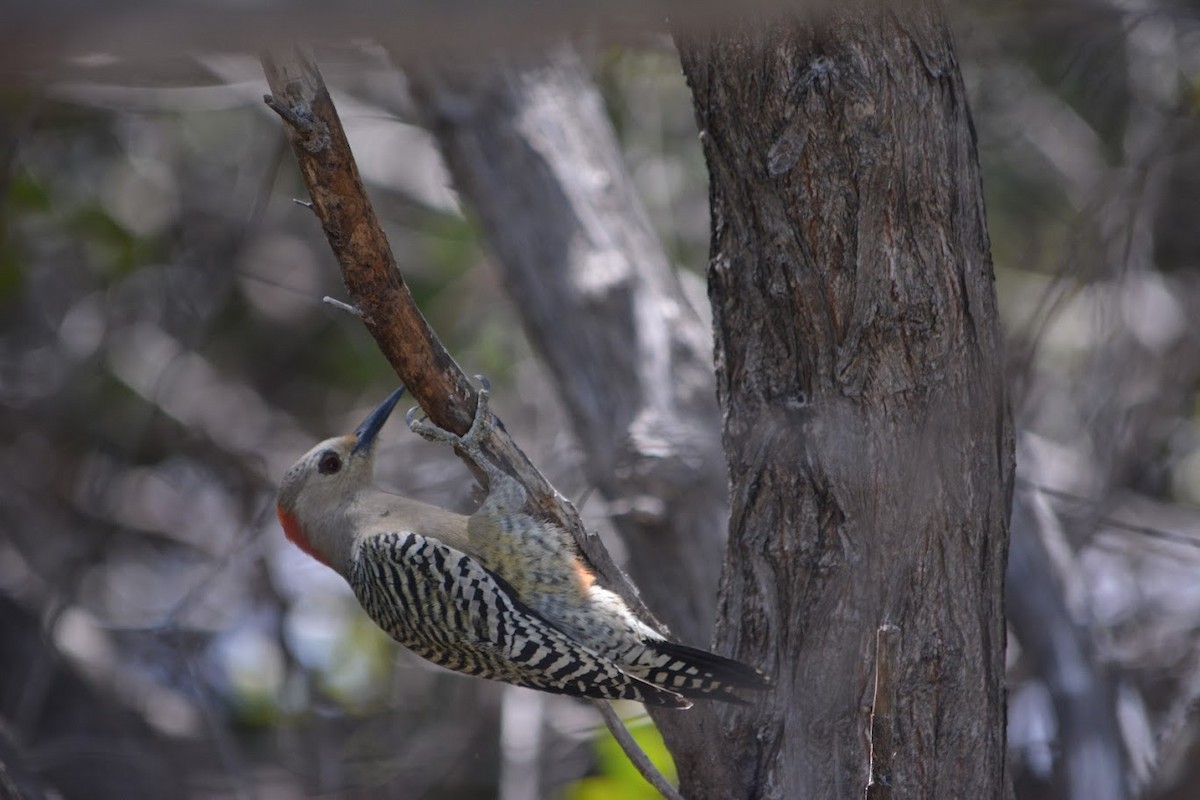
column 448, row 608
column 515, row 545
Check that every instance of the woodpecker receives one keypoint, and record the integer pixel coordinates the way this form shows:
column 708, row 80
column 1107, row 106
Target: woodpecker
column 497, row 594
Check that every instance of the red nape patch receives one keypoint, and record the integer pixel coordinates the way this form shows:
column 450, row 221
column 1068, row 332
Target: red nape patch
column 295, row 534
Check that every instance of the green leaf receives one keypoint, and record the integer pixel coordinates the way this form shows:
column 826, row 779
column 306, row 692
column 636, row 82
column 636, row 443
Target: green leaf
column 618, row 777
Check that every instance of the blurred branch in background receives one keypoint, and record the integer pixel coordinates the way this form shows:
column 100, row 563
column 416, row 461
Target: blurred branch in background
column 1061, row 658
column 164, row 354
column 45, row 37
column 1084, row 113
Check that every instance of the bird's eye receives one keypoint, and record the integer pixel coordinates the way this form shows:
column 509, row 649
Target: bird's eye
column 330, row 463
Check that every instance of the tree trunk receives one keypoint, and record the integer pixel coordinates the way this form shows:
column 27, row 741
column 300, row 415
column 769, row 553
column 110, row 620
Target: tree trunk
column 866, row 428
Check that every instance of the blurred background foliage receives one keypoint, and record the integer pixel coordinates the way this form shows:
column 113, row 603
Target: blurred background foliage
column 165, row 354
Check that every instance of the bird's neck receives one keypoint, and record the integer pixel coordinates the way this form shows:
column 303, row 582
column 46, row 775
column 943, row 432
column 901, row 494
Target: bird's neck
column 376, row 513
column 325, row 532
column 298, row 534
column 331, row 534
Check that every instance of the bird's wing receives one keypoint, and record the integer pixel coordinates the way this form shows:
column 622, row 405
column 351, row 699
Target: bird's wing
column 692, row 672
column 447, row 607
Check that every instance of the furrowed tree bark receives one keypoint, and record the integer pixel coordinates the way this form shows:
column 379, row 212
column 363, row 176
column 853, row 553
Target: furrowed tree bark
column 866, row 426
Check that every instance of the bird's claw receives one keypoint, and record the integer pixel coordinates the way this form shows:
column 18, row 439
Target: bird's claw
column 410, row 419
column 482, row 420
column 480, row 425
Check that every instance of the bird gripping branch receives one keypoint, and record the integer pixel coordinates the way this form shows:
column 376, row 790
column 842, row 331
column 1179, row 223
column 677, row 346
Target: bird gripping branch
column 497, row 594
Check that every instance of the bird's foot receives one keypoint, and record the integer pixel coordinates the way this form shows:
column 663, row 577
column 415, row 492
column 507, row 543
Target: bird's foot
column 471, row 442
column 506, row 495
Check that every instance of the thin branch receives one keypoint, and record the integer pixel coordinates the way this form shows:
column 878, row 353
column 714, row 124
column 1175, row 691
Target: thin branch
column 1163, row 534
column 368, row 267
column 883, row 713
column 634, row 752
column 349, row 309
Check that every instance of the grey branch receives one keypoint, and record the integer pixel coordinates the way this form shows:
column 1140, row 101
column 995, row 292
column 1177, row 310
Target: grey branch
column 634, row 753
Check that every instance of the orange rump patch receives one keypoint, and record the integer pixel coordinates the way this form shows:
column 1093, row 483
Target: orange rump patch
column 583, row 576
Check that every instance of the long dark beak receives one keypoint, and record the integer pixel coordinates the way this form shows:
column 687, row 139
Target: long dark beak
column 371, row 426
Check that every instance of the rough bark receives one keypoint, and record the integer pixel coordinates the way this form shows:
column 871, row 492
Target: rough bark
column 866, row 428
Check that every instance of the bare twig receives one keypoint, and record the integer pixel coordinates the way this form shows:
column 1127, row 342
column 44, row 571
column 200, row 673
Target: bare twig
column 349, row 309
column 634, row 752
column 1104, row 520
column 883, row 713
column 357, row 239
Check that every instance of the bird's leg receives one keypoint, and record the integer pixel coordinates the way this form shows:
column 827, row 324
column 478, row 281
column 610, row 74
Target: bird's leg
column 469, row 442
column 505, row 493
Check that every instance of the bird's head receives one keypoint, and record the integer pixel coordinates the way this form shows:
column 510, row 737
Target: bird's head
column 318, row 490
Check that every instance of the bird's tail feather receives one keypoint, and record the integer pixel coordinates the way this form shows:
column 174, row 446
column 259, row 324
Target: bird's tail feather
column 695, row 673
